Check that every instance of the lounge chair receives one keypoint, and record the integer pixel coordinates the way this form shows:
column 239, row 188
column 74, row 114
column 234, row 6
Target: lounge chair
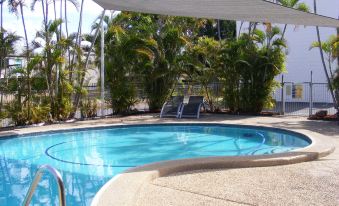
column 172, row 107
column 192, row 108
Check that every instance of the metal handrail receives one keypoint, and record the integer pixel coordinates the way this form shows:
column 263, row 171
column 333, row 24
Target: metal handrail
column 39, row 173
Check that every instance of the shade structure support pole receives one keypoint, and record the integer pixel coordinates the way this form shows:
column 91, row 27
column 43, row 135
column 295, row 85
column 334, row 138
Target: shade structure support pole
column 102, row 69
column 311, row 96
column 282, row 112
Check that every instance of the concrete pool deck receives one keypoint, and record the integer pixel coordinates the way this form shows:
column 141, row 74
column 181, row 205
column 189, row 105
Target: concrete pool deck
column 308, row 183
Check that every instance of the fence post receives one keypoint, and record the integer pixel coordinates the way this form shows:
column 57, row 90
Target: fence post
column 311, row 95
column 282, row 95
column 102, row 70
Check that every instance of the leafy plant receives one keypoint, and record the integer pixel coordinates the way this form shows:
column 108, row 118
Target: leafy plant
column 202, row 63
column 40, row 114
column 88, row 108
column 250, row 65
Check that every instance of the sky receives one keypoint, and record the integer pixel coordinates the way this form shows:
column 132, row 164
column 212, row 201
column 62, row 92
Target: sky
column 33, row 19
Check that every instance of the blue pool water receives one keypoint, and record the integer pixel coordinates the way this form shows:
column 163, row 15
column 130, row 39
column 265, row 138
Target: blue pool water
column 89, row 158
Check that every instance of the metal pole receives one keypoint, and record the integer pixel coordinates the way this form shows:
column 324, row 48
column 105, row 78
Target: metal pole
column 311, row 95
column 337, row 50
column 282, row 95
column 102, row 70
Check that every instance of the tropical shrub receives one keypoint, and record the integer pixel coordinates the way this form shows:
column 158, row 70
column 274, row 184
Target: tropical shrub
column 249, row 67
column 229, row 75
column 88, row 108
column 40, row 114
column 17, row 114
column 120, row 60
column 160, row 55
column 202, row 63
column 122, row 97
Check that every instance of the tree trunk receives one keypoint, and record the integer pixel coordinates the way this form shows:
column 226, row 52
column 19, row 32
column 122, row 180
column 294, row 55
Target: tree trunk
column 27, row 59
column 82, row 77
column 54, row 7
column 60, row 30
column 48, row 69
column 219, row 30
column 284, row 31
column 2, row 63
column 70, row 75
column 78, row 36
column 241, row 24
column 43, row 11
column 1, row 15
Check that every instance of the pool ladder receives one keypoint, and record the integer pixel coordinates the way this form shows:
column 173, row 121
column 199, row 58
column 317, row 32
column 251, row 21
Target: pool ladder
column 39, row 173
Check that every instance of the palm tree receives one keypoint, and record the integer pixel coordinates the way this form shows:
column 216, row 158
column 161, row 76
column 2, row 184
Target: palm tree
column 293, row 4
column 334, row 96
column 53, row 56
column 120, row 48
column 13, row 6
column 1, row 14
column 330, row 49
column 202, row 63
column 262, row 60
column 162, row 69
column 77, row 39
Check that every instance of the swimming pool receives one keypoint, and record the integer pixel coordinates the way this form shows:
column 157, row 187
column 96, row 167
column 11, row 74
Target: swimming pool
column 88, row 158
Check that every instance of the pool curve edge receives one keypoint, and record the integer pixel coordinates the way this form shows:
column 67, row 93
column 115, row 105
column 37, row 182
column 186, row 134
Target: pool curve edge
column 122, row 189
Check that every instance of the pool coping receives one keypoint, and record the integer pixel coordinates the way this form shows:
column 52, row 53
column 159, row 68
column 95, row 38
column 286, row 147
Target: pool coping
column 123, row 188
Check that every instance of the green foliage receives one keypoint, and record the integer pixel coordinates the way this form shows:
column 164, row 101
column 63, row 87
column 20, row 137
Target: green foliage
column 65, row 108
column 88, row 108
column 40, row 114
column 120, row 50
column 17, row 114
column 202, row 62
column 21, row 114
column 336, row 80
column 153, row 51
column 330, row 47
column 160, row 69
column 209, row 28
column 295, row 4
column 145, row 48
column 123, row 97
column 249, row 67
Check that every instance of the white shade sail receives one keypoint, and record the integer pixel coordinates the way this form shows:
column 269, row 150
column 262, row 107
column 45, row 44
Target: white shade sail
column 241, row 10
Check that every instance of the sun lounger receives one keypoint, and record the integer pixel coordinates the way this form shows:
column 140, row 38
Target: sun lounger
column 172, row 107
column 192, row 108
